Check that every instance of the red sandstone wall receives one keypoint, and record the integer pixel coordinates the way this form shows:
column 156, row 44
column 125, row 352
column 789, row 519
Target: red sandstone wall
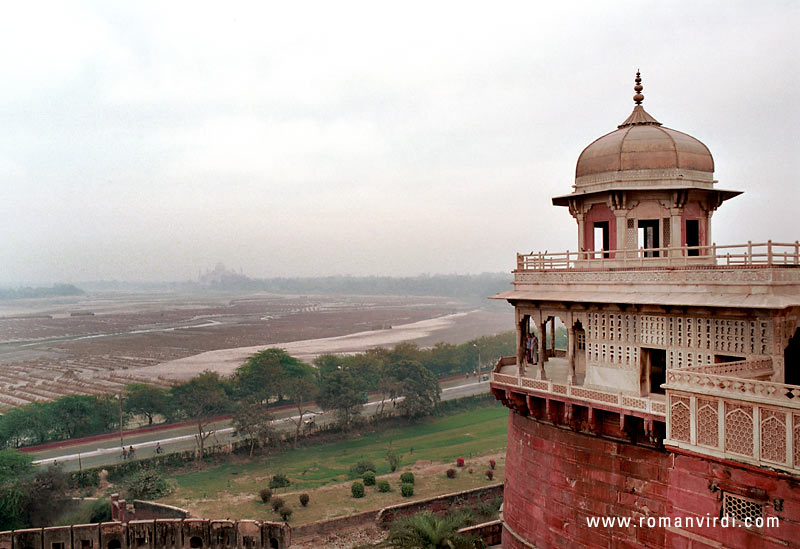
column 695, row 489
column 556, row 478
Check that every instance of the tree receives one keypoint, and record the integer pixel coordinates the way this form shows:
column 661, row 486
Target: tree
column 273, row 373
column 427, row 531
column 80, row 415
column 14, row 468
column 300, row 388
column 45, row 496
column 388, row 386
column 199, row 399
column 258, row 378
column 254, row 422
column 146, row 400
column 342, row 392
column 418, row 388
column 14, row 465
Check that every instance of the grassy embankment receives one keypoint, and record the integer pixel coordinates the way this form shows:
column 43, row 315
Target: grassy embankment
column 323, row 471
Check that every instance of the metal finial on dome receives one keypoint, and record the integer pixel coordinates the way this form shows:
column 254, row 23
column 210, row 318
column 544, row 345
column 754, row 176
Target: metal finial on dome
column 638, row 98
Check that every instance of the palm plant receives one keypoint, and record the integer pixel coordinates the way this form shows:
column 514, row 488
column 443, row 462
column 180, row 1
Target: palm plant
column 427, row 531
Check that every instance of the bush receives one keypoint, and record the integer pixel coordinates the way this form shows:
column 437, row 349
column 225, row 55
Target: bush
column 407, row 489
column 146, row 484
column 489, row 474
column 304, row 499
column 369, row 478
column 265, row 494
column 285, row 513
column 451, row 473
column 85, row 479
column 357, row 490
column 393, row 459
column 100, row 511
column 384, row 486
column 492, row 463
column 277, row 503
column 460, row 462
column 407, row 478
column 279, row 481
column 362, row 467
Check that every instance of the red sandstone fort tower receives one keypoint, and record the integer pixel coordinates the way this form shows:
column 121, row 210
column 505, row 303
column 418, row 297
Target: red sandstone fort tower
column 676, row 402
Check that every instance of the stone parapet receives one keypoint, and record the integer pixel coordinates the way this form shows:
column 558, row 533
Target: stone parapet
column 154, row 534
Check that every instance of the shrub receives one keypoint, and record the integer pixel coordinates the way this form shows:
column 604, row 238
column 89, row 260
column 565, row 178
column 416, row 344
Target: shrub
column 489, row 474
column 85, row 479
column 407, row 478
column 357, row 490
column 393, row 459
column 460, row 462
column 100, row 511
column 407, row 489
column 279, row 481
column 384, row 486
column 362, row 467
column 285, row 513
column 304, row 499
column 492, row 463
column 265, row 494
column 146, row 484
column 277, row 503
column 369, row 478
column 451, row 473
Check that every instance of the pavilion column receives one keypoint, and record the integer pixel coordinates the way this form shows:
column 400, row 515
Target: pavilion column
column 522, row 324
column 542, row 349
column 581, row 236
column 621, row 233
column 571, row 378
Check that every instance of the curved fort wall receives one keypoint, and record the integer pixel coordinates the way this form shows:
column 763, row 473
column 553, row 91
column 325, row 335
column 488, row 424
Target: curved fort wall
column 557, row 479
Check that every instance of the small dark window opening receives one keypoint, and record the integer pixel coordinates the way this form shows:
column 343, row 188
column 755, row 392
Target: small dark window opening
column 114, row 544
column 602, row 238
column 721, row 359
column 693, row 236
column 791, row 360
column 654, row 366
column 648, row 236
column 58, row 545
column 195, row 541
column 86, row 543
column 273, row 543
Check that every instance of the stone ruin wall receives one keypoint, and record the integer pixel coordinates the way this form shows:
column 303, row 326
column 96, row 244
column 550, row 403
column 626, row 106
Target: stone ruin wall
column 153, row 534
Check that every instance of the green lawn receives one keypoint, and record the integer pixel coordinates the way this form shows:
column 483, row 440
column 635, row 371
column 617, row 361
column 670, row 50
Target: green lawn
column 231, row 489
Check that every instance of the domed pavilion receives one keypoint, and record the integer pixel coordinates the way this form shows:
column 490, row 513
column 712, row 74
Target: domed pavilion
column 657, row 373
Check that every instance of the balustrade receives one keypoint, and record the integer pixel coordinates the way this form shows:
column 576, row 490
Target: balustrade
column 766, row 253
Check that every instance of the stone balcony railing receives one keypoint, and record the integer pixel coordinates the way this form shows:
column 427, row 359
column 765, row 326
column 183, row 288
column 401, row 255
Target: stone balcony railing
column 736, row 255
column 505, row 374
column 722, row 411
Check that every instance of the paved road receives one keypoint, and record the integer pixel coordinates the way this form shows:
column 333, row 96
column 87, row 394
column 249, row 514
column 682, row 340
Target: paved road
column 178, row 439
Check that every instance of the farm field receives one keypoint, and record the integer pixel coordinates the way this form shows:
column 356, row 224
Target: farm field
column 323, row 471
column 99, row 343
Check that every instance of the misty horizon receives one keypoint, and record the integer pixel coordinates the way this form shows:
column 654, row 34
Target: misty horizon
column 147, row 142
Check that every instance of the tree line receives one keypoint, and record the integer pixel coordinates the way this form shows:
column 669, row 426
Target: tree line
column 404, row 378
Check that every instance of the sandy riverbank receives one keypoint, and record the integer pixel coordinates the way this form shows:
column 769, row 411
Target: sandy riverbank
column 453, row 328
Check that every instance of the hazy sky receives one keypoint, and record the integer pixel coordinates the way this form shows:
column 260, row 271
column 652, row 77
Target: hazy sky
column 151, row 140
